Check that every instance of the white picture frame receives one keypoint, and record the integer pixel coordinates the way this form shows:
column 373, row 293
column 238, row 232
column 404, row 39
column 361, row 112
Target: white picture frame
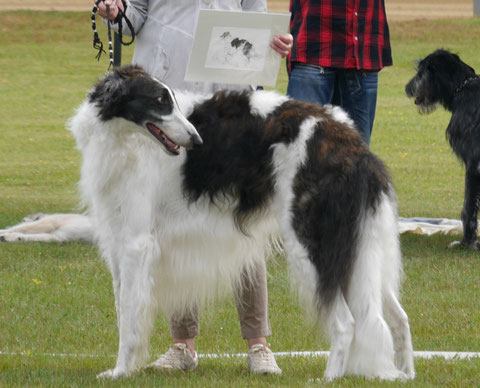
column 234, row 47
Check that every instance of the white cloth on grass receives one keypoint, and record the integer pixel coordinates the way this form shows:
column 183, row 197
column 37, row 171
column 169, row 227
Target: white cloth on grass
column 429, row 226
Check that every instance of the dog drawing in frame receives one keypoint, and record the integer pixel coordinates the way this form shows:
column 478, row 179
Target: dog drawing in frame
column 187, row 192
column 443, row 78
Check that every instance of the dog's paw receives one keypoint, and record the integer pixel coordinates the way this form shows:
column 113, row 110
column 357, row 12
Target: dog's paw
column 112, row 374
column 11, row 237
column 454, row 244
column 402, row 376
column 462, row 245
column 328, row 378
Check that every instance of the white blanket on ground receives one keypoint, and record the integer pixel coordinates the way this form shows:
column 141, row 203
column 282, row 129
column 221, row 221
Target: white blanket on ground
column 74, row 227
column 429, row 226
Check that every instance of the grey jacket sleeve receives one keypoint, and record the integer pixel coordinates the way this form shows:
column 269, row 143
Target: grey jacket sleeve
column 254, row 5
column 136, row 13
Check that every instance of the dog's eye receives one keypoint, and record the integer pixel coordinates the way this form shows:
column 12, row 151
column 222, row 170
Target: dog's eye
column 164, row 98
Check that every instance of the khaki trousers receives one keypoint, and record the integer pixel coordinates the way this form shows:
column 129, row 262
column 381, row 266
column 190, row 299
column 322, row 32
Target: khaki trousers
column 252, row 308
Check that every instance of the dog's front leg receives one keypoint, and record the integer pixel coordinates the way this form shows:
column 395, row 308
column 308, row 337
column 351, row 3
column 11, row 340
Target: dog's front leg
column 34, row 237
column 470, row 207
column 135, row 307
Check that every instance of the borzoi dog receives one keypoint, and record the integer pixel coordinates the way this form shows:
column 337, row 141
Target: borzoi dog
column 41, row 227
column 443, row 78
column 178, row 220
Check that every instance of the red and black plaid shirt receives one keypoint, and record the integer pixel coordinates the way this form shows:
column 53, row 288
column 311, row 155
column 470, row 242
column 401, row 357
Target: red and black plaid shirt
column 347, row 34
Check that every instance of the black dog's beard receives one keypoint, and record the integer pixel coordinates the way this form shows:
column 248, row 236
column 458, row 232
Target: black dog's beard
column 427, row 107
column 423, row 103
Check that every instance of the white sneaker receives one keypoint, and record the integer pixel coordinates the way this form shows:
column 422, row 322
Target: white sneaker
column 178, row 357
column 262, row 361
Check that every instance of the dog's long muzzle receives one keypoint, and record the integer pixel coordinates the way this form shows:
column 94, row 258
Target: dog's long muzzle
column 196, row 140
column 183, row 133
column 191, row 138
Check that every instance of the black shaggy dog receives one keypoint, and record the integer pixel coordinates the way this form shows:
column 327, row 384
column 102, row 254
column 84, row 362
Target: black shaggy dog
column 442, row 78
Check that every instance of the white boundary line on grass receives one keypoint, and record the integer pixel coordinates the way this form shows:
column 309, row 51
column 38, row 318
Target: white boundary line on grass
column 417, row 354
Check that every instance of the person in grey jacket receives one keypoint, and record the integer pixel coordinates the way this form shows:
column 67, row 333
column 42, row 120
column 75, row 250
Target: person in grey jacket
column 164, row 36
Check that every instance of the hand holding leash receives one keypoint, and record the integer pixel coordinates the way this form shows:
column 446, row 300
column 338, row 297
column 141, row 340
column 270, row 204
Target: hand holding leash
column 115, row 6
column 114, row 12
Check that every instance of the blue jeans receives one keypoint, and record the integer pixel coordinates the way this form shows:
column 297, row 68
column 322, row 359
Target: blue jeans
column 354, row 90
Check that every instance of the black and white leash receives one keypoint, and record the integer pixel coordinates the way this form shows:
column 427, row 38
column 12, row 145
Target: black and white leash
column 97, row 43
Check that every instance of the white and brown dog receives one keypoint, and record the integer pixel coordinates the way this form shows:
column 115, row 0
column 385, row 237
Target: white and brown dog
column 185, row 193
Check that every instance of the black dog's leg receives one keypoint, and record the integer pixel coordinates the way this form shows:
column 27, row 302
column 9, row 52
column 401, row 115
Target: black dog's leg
column 470, row 205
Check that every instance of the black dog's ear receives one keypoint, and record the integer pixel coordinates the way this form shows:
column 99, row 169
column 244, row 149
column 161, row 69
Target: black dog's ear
column 456, row 57
column 107, row 95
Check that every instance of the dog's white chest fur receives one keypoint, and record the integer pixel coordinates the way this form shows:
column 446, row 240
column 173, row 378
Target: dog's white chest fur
column 137, row 202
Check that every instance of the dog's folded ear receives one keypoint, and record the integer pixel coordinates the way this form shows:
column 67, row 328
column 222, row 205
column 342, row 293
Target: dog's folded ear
column 466, row 66
column 107, row 95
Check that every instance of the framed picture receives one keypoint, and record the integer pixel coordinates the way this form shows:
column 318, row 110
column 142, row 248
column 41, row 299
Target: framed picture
column 234, row 47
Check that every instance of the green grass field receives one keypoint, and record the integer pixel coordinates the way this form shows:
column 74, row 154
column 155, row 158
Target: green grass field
column 57, row 299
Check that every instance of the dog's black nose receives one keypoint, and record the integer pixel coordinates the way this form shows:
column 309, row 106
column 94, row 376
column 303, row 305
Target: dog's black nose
column 197, row 140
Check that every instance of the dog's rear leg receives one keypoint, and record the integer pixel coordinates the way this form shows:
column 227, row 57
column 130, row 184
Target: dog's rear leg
column 372, row 353
column 340, row 322
column 341, row 326
column 397, row 320
column 136, row 308
column 470, row 206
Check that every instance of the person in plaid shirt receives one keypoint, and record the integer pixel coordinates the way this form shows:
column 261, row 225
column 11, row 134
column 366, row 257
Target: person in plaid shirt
column 338, row 49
